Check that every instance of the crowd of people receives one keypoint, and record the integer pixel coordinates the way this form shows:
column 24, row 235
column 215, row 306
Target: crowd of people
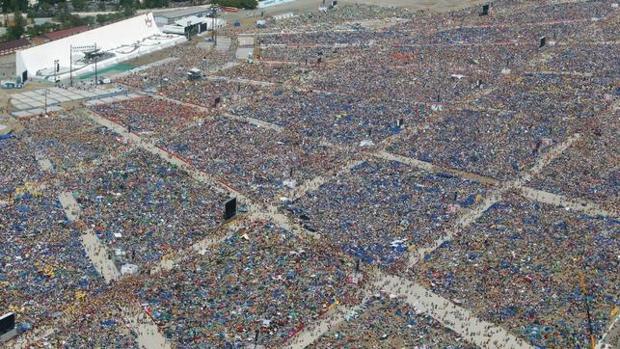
column 507, row 268
column 334, row 118
column 381, row 209
column 71, row 143
column 481, row 94
column 99, row 321
column 260, row 162
column 595, row 176
column 498, row 144
column 261, row 285
column 389, row 322
column 182, row 58
column 142, row 208
column 43, row 265
column 148, row 116
column 18, row 165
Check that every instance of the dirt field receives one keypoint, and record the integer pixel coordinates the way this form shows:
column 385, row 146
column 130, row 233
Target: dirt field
column 433, row 5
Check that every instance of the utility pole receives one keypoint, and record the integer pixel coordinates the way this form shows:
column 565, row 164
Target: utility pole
column 213, row 21
column 96, row 59
column 71, row 65
column 56, row 67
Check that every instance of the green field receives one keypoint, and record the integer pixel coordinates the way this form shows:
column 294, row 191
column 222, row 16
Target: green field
column 111, row 70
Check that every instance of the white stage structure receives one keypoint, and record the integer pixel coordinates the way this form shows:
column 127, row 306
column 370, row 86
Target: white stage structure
column 201, row 24
column 115, row 42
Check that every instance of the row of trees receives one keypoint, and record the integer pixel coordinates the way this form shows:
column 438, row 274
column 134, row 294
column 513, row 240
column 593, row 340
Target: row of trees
column 246, row 4
column 63, row 17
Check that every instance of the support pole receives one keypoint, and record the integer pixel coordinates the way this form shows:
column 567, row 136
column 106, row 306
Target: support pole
column 71, row 65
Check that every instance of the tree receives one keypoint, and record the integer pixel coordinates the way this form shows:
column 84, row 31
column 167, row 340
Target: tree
column 246, row 4
column 15, row 5
column 16, row 30
column 249, row 4
column 79, row 5
column 154, row 3
column 128, row 7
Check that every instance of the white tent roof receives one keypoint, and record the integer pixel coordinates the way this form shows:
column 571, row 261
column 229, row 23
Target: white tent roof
column 124, row 33
column 191, row 20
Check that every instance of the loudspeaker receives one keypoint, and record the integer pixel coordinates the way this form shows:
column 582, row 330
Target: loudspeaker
column 230, row 209
column 7, row 323
column 485, row 10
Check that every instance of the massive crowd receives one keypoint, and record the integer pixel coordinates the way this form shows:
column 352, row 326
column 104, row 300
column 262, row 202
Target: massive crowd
column 596, row 176
column 388, row 322
column 463, row 91
column 258, row 161
column 331, row 117
column 143, row 208
column 43, row 266
column 193, row 54
column 381, row 209
column 498, row 144
column 100, row 321
column 262, row 281
column 149, row 116
column 71, row 143
column 18, row 165
column 508, row 268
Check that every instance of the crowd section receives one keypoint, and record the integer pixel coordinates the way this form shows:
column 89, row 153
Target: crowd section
column 302, row 55
column 589, row 169
column 532, row 267
column 343, row 37
column 535, row 11
column 212, row 93
column 149, row 116
column 598, row 59
column 496, row 144
column 276, row 72
column 606, row 30
column 346, row 13
column 18, row 165
column 173, row 74
column 141, row 207
column 258, row 161
column 43, row 266
column 71, row 143
column 567, row 100
column 381, row 209
column 460, row 60
column 99, row 322
column 261, row 281
column 520, row 13
column 336, row 118
column 389, row 322
column 367, row 76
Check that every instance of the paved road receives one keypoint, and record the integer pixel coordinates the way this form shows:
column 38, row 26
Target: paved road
column 611, row 338
column 97, row 252
column 149, row 336
column 482, row 333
